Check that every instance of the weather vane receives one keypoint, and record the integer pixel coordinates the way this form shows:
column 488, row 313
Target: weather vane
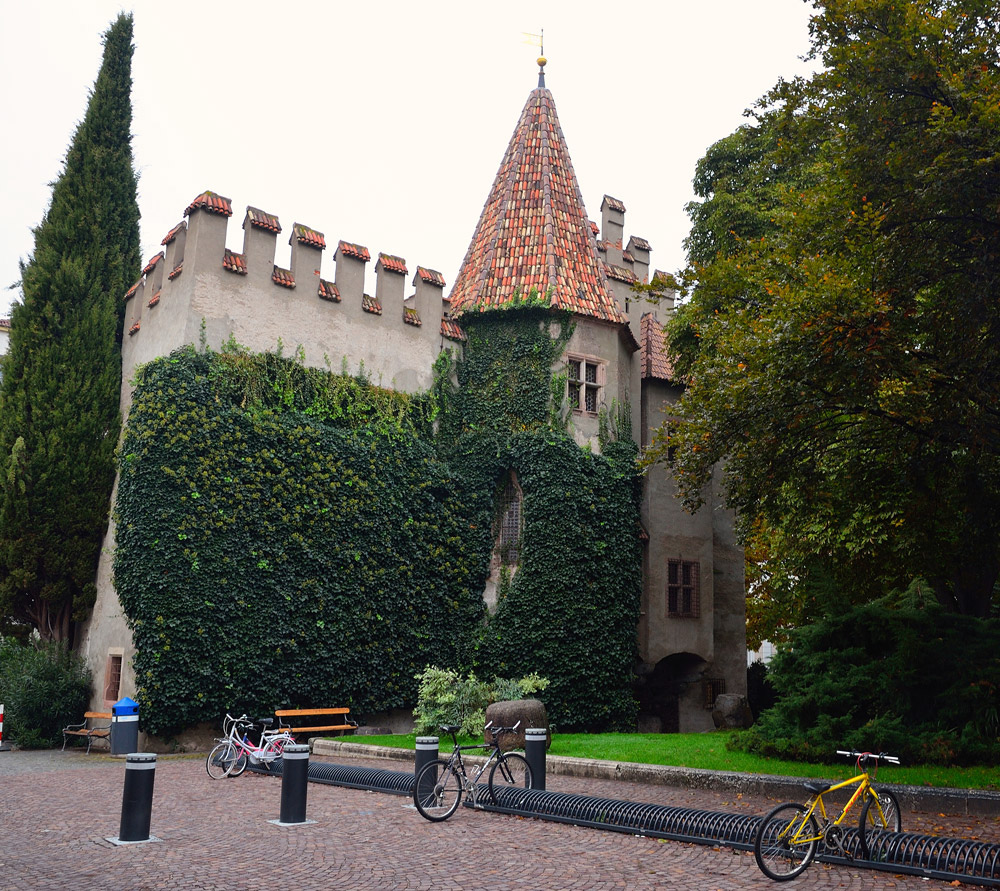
column 539, row 41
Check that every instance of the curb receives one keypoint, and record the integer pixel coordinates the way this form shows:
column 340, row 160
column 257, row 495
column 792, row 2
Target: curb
column 968, row 802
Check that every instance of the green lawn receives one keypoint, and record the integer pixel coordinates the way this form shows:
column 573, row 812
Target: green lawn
column 707, row 751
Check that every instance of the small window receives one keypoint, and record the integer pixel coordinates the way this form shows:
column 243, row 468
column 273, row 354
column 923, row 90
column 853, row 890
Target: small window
column 112, row 677
column 713, row 689
column 683, row 594
column 585, row 380
column 507, row 530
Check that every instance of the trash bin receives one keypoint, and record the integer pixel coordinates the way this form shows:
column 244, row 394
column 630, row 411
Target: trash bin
column 125, row 727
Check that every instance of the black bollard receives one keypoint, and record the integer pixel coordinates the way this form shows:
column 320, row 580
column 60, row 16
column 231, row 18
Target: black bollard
column 534, row 751
column 294, row 783
column 427, row 751
column 137, row 797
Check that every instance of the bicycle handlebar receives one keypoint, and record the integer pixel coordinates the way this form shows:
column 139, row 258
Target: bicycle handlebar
column 865, row 757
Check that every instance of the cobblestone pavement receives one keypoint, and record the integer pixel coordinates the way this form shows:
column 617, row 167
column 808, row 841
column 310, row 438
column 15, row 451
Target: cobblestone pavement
column 57, row 811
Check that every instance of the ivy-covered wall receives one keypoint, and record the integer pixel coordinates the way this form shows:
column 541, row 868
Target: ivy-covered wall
column 292, row 536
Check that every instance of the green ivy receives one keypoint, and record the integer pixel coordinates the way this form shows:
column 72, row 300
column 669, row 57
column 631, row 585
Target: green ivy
column 291, row 536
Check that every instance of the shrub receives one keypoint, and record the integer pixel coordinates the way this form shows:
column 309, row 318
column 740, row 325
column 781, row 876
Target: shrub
column 915, row 681
column 43, row 688
column 445, row 697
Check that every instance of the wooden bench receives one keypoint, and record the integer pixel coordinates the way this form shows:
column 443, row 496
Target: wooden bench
column 337, row 719
column 89, row 729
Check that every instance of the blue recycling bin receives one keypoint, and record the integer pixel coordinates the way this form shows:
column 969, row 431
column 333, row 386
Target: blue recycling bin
column 125, row 727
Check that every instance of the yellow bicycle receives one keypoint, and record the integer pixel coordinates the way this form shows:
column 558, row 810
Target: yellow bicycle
column 788, row 837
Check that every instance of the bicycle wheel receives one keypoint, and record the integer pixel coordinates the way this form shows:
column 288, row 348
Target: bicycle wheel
column 511, row 771
column 272, row 751
column 221, row 760
column 786, row 842
column 882, row 816
column 437, row 790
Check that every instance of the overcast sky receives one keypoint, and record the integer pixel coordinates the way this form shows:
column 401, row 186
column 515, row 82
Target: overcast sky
column 384, row 122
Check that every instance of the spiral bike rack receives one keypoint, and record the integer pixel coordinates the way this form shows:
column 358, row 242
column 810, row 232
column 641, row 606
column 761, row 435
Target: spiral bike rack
column 928, row 856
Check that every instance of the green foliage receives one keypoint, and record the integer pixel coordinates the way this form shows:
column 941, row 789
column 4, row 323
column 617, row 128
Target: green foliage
column 841, row 355
column 446, row 697
column 44, row 688
column 918, row 682
column 59, row 414
column 268, row 558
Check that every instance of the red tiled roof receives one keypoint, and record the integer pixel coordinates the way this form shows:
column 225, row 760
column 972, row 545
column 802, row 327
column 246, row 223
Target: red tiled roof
column 431, row 276
column 411, row 316
column 371, row 304
column 151, row 265
column 393, row 264
column 172, row 234
column 655, row 361
column 329, row 291
column 639, row 243
column 359, row 252
column 451, row 329
column 534, row 231
column 627, row 256
column 134, row 329
column 262, row 220
column 305, row 235
column 176, row 271
column 283, row 277
column 234, row 262
column 595, row 228
column 212, row 203
column 620, row 273
column 130, row 293
column 613, row 203
column 154, row 299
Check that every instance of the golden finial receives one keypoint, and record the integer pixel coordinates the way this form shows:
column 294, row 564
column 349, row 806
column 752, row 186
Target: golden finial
column 539, row 41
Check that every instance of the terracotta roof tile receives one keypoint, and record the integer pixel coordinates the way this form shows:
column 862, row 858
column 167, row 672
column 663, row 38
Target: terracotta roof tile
column 130, row 293
column 212, row 203
column 393, row 264
column 620, row 273
column 234, row 262
column 595, row 228
column 639, row 243
column 627, row 256
column 283, row 277
column 655, row 361
column 176, row 271
column 173, row 233
column 154, row 299
column 534, row 232
column 261, row 219
column 329, row 291
column 359, row 252
column 431, row 276
column 370, row 304
column 411, row 316
column 151, row 265
column 613, row 203
column 305, row 235
column 451, row 329
column 134, row 329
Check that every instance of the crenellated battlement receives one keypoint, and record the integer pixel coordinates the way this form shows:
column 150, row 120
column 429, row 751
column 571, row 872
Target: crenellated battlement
column 198, row 286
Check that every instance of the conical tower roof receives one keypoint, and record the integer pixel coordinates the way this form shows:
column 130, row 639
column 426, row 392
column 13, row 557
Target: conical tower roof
column 534, row 231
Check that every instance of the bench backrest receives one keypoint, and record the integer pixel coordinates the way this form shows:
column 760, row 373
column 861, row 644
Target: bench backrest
column 292, row 712
column 97, row 716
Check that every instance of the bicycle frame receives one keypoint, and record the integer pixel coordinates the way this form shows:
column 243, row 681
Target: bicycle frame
column 819, row 806
column 243, row 744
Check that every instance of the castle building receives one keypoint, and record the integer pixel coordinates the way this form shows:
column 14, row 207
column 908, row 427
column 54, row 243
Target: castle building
column 534, row 234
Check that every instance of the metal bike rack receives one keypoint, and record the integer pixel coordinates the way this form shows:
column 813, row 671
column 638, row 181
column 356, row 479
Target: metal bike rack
column 928, row 856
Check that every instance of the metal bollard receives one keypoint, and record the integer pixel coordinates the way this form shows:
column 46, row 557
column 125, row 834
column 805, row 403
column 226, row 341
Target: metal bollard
column 137, row 797
column 294, row 783
column 427, row 751
column 534, row 751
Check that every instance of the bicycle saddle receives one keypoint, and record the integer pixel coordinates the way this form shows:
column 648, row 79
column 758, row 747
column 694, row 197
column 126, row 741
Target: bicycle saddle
column 450, row 728
column 816, row 788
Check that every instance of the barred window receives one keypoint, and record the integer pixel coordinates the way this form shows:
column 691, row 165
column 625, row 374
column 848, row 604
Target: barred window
column 713, row 688
column 683, row 593
column 585, row 380
column 112, row 677
column 507, row 532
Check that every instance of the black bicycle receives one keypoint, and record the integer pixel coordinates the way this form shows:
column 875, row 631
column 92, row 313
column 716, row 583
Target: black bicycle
column 439, row 785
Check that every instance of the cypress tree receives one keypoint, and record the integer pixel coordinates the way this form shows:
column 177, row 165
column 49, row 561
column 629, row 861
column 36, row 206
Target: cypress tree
column 59, row 399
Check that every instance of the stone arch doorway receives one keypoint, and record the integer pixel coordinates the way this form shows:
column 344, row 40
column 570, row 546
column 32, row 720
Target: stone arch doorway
column 662, row 688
